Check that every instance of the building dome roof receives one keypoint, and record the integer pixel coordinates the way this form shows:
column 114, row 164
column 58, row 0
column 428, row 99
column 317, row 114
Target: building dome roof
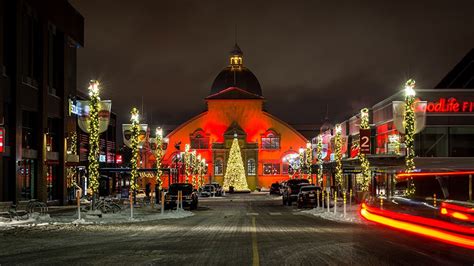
column 236, row 75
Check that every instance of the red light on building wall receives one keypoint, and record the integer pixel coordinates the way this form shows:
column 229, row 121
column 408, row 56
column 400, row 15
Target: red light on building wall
column 118, row 159
column 2, row 139
column 450, row 105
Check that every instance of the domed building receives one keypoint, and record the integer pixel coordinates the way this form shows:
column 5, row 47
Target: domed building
column 235, row 110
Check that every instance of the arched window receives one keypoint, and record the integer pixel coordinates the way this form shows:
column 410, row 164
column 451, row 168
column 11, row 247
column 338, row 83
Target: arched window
column 270, row 140
column 199, row 140
column 251, row 167
column 218, row 167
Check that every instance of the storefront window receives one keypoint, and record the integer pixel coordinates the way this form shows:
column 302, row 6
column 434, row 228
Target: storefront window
column 251, row 167
column 52, row 182
column 199, row 140
column 218, row 167
column 270, row 141
column 461, row 141
column 27, row 178
column 271, row 168
column 432, row 142
column 387, row 139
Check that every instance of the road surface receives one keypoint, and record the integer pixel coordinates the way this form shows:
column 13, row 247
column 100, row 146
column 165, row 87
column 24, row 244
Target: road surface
column 238, row 230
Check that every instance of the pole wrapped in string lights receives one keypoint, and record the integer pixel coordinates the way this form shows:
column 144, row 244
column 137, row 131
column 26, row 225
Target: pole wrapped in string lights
column 94, row 151
column 409, row 126
column 135, row 119
column 301, row 163
column 159, row 156
column 194, row 168
column 338, row 154
column 319, row 151
column 364, row 163
column 309, row 161
column 187, row 162
column 71, row 171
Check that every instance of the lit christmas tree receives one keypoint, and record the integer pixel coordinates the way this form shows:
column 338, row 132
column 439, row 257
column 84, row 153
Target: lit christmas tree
column 235, row 172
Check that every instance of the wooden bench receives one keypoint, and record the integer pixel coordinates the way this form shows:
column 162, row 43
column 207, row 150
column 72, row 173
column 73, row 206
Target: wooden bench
column 6, row 208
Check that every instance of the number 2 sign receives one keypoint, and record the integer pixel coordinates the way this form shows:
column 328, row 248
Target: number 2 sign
column 364, row 141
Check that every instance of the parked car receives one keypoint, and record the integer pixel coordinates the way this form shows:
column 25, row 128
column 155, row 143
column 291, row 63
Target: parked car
column 307, row 197
column 282, row 187
column 190, row 197
column 208, row 191
column 291, row 190
column 275, row 189
column 218, row 188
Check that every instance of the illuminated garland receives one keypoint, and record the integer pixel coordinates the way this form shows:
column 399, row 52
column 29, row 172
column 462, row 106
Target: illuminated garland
column 71, row 172
column 134, row 145
column 94, row 136
column 159, row 156
column 319, row 151
column 301, row 163
column 187, row 163
column 194, row 168
column 309, row 161
column 338, row 143
column 199, row 169
column 364, row 163
column 203, row 171
column 409, row 125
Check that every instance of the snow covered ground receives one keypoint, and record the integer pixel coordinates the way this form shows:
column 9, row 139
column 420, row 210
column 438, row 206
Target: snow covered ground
column 352, row 214
column 140, row 215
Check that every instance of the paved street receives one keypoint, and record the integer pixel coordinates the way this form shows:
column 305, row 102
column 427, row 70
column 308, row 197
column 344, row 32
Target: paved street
column 238, row 230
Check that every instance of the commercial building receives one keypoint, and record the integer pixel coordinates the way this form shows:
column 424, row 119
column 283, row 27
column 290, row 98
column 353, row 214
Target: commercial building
column 38, row 50
column 446, row 143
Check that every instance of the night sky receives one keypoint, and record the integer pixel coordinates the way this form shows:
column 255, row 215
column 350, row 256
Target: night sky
column 306, row 54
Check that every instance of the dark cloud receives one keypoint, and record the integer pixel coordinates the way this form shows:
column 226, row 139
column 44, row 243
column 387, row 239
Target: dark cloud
column 306, row 54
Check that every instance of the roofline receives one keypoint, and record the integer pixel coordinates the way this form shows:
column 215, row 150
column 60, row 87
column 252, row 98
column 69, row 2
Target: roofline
column 286, row 124
column 186, row 123
column 233, row 88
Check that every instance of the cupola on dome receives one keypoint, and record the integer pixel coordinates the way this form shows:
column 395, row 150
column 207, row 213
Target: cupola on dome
column 236, row 75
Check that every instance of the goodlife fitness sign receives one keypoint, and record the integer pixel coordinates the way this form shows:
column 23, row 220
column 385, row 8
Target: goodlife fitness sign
column 450, row 105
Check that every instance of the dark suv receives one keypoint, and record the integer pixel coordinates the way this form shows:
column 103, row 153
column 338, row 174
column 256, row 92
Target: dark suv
column 307, row 196
column 190, row 197
column 291, row 190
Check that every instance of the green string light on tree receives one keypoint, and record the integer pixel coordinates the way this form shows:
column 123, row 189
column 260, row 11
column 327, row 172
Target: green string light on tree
column 409, row 126
column 94, row 104
column 338, row 154
column 309, row 161
column 187, row 163
column 159, row 156
column 319, row 151
column 364, row 163
column 135, row 119
column 71, row 171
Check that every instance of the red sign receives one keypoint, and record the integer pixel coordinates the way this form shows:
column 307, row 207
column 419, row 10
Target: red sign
column 364, row 141
column 451, row 105
column 2, row 139
column 118, row 158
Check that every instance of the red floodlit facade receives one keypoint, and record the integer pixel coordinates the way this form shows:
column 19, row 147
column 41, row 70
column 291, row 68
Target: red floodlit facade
column 235, row 109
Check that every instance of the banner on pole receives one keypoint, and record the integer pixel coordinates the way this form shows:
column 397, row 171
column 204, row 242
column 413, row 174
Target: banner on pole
column 83, row 119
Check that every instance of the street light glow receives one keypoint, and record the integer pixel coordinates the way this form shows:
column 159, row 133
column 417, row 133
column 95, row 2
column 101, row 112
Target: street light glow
column 159, row 132
column 338, row 128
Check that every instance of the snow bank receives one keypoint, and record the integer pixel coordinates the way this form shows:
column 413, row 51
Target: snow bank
column 352, row 214
column 95, row 217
